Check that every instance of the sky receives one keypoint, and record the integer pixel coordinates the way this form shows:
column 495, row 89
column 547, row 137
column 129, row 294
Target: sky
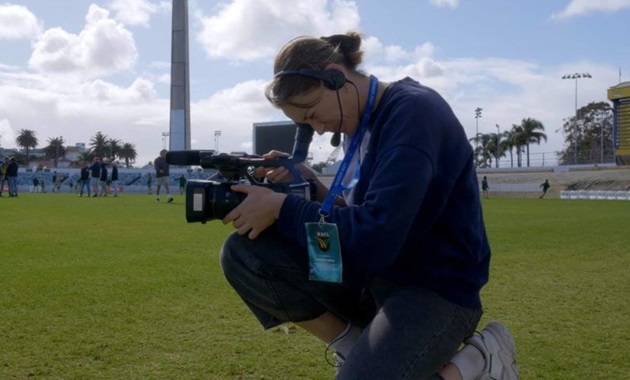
column 73, row 68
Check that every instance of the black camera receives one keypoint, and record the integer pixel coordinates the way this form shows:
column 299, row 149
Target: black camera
column 214, row 199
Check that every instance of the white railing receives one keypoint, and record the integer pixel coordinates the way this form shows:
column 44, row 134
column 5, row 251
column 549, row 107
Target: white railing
column 595, row 194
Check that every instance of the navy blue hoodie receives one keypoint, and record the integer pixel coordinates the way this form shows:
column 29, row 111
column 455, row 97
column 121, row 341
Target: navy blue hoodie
column 417, row 216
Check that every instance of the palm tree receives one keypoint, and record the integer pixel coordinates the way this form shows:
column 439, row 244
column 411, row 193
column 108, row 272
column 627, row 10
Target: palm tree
column 483, row 156
column 531, row 134
column 99, row 145
column 114, row 148
column 128, row 153
column 27, row 140
column 507, row 144
column 519, row 141
column 55, row 149
column 496, row 147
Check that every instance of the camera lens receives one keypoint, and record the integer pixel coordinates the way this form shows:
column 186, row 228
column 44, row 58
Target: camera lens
column 222, row 200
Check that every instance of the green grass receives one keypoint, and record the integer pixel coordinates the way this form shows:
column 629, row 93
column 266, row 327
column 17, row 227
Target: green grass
column 125, row 289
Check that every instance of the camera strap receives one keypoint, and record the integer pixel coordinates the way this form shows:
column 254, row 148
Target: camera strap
column 324, row 246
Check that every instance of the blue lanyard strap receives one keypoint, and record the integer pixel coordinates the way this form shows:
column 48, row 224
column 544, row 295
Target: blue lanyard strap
column 337, row 187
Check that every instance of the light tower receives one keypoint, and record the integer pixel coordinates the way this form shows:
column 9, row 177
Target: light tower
column 179, row 130
column 477, row 116
column 576, row 76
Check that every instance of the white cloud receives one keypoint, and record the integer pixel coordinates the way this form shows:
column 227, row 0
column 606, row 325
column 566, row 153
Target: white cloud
column 250, row 29
column 141, row 90
column 583, row 7
column 445, row 3
column 17, row 22
column 7, row 135
column 102, row 47
column 137, row 12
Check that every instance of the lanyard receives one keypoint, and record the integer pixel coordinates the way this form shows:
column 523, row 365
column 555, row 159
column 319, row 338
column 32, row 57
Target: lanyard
column 337, row 187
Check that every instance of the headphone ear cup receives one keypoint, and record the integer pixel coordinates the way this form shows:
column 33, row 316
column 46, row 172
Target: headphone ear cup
column 334, row 79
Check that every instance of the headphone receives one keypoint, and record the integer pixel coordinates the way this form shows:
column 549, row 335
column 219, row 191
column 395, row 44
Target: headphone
column 332, row 79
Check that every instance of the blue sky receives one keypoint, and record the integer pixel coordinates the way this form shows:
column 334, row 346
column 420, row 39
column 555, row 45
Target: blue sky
column 73, row 68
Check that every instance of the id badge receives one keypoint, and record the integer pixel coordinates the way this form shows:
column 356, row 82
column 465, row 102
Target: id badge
column 324, row 252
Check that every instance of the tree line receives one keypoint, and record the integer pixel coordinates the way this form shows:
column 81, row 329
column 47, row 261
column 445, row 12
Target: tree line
column 588, row 138
column 101, row 146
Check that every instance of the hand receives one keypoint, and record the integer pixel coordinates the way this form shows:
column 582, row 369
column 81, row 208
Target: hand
column 259, row 210
column 282, row 174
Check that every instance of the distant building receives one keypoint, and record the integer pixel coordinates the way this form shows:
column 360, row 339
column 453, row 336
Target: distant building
column 620, row 97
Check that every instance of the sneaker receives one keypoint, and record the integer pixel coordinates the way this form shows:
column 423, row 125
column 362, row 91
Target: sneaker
column 170, row 199
column 497, row 347
column 157, row 199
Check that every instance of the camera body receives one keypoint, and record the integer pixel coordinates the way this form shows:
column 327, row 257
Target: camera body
column 213, row 198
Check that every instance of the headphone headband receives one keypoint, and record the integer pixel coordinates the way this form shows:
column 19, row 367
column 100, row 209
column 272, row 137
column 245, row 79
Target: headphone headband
column 332, row 79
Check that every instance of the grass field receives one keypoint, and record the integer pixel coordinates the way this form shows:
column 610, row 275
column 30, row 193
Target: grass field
column 124, row 288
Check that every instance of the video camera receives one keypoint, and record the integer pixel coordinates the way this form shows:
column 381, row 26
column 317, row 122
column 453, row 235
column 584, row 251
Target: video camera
column 214, row 199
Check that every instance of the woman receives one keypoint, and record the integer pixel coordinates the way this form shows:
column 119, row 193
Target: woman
column 408, row 238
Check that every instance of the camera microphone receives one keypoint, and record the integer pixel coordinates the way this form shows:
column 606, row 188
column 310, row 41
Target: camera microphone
column 335, row 140
column 184, row 157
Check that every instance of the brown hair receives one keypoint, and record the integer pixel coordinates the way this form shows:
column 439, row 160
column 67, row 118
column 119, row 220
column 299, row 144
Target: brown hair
column 314, row 54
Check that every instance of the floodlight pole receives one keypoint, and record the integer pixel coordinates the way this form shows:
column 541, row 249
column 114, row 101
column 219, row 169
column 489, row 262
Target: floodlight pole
column 477, row 116
column 165, row 135
column 576, row 76
column 217, row 134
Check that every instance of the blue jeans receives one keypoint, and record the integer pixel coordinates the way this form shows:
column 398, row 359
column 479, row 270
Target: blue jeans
column 85, row 183
column 410, row 332
column 12, row 185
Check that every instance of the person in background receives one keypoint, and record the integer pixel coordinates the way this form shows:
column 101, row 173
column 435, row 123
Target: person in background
column 485, row 187
column 390, row 278
column 36, row 187
column 545, row 188
column 182, row 184
column 12, row 174
column 162, row 176
column 84, row 179
column 3, row 174
column 95, row 175
column 56, row 180
column 103, row 180
column 114, row 178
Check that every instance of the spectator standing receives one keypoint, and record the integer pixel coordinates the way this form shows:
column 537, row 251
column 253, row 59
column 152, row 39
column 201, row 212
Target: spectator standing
column 35, row 185
column 11, row 174
column 3, row 174
column 95, row 175
column 545, row 187
column 85, row 179
column 114, row 178
column 56, row 180
column 162, row 176
column 103, row 180
column 182, row 184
